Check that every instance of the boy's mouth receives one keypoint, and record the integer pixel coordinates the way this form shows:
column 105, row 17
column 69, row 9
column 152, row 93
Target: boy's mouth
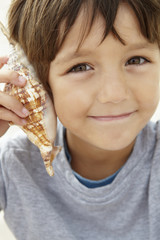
column 112, row 117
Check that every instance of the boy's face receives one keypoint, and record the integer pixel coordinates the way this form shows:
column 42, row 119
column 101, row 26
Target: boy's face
column 113, row 92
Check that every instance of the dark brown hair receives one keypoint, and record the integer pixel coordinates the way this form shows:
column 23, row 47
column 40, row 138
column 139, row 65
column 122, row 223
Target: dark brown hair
column 36, row 25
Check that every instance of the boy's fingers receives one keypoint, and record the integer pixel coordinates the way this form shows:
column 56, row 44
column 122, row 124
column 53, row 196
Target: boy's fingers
column 4, row 126
column 8, row 76
column 3, row 60
column 11, row 103
column 10, row 108
column 8, row 116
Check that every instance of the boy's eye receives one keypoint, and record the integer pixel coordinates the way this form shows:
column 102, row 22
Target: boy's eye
column 83, row 67
column 137, row 61
column 80, row 68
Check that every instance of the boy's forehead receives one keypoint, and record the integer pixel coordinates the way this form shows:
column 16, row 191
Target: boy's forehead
column 126, row 25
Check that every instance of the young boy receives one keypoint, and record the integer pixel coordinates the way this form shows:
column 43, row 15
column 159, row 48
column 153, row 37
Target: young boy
column 100, row 60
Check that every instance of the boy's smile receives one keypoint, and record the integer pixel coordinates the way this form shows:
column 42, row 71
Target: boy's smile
column 113, row 117
column 105, row 93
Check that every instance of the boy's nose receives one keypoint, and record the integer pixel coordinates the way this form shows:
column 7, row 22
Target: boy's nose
column 112, row 88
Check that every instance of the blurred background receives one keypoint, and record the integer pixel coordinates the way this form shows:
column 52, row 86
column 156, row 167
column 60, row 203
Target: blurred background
column 5, row 233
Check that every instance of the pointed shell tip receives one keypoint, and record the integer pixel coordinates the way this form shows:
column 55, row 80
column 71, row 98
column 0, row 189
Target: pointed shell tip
column 50, row 171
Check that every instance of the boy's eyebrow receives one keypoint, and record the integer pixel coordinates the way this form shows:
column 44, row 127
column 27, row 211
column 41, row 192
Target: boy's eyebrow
column 73, row 55
column 86, row 52
column 142, row 45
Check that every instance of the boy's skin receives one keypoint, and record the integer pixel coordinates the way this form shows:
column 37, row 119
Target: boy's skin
column 109, row 87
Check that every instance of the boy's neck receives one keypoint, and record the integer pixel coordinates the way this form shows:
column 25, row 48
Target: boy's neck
column 94, row 163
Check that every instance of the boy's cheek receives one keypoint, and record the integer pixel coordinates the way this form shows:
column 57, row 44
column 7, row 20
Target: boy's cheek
column 151, row 96
column 148, row 105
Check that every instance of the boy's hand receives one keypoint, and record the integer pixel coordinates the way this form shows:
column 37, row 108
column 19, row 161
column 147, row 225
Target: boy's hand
column 10, row 108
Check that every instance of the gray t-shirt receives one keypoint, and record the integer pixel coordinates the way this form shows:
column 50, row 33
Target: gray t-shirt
column 39, row 207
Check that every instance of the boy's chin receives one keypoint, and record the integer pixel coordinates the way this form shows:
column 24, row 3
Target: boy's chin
column 116, row 144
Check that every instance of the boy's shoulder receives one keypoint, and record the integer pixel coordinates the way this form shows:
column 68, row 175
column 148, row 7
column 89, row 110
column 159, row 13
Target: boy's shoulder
column 152, row 130
column 17, row 151
column 151, row 135
column 16, row 139
column 149, row 138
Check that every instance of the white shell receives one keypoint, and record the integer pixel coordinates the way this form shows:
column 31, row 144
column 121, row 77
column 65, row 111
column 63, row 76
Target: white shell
column 42, row 122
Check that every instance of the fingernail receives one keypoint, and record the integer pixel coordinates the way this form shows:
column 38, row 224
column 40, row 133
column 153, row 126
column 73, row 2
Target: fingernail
column 25, row 112
column 21, row 79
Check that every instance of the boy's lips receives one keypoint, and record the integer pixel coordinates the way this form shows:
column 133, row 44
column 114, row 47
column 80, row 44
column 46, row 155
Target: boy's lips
column 112, row 117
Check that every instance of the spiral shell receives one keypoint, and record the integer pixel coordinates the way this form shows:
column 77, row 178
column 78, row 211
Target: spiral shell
column 42, row 121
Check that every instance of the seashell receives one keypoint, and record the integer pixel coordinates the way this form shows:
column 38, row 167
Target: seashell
column 42, row 121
